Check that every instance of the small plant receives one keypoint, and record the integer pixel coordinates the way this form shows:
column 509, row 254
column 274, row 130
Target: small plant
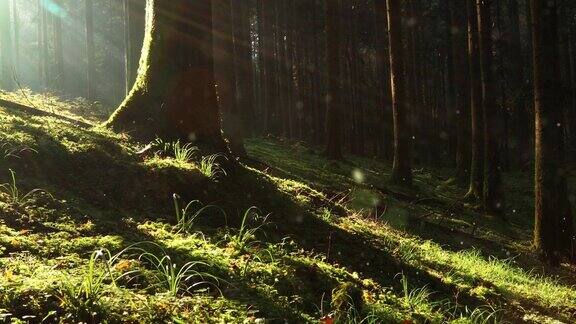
column 347, row 303
column 186, row 217
column 181, row 153
column 175, row 280
column 210, row 167
column 15, row 196
column 246, row 235
column 327, row 215
column 83, row 298
column 414, row 298
column 14, row 152
column 480, row 315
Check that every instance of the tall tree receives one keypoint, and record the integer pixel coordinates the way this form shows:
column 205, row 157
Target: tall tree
column 554, row 232
column 461, row 86
column 90, row 49
column 334, row 105
column 44, row 52
column 6, row 62
column 58, row 48
column 225, row 74
column 520, row 117
column 16, row 24
column 402, row 167
column 493, row 198
column 476, row 117
column 384, row 132
column 174, row 95
column 244, row 64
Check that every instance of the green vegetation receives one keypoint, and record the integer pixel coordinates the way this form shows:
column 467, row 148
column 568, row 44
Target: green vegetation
column 15, row 197
column 210, row 167
column 113, row 242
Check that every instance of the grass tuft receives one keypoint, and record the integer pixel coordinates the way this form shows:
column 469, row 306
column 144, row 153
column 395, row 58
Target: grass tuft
column 210, row 167
column 15, row 195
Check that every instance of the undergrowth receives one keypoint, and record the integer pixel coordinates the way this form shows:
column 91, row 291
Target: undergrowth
column 327, row 241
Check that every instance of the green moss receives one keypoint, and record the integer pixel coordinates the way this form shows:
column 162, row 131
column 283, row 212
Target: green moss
column 337, row 238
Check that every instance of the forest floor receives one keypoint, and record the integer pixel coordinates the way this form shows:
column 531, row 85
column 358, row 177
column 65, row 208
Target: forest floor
column 95, row 229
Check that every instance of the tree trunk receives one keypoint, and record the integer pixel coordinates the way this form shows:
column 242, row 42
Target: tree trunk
column 174, row 96
column 493, row 199
column 384, row 133
column 461, row 88
column 6, row 63
column 553, row 234
column 134, row 12
column 520, row 118
column 477, row 120
column 333, row 97
column 58, row 51
column 16, row 24
column 225, row 74
column 127, row 48
column 245, row 77
column 90, row 55
column 44, row 50
column 402, row 167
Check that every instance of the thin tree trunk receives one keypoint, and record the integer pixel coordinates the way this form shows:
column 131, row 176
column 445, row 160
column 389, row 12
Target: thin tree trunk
column 493, row 199
column 6, row 65
column 90, row 48
column 462, row 88
column 477, row 120
column 59, row 51
column 225, row 74
column 16, row 24
column 520, row 118
column 333, row 97
column 402, row 167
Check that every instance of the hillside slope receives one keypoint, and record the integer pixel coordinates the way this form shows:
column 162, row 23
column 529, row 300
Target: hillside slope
column 94, row 229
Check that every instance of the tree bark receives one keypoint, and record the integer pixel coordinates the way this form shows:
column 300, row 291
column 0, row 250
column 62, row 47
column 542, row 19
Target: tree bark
column 134, row 21
column 493, row 199
column 225, row 74
column 6, row 63
column 90, row 48
column 384, row 137
column 476, row 116
column 333, row 98
column 58, row 50
column 553, row 234
column 16, row 22
column 402, row 167
column 174, row 96
column 520, row 118
column 461, row 88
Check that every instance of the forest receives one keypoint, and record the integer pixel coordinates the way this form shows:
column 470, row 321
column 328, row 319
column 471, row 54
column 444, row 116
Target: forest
column 288, row 161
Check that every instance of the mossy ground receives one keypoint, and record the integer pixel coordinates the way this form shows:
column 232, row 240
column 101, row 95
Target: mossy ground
column 338, row 239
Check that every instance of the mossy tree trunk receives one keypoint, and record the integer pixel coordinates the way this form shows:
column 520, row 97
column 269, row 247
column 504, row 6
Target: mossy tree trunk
column 554, row 232
column 402, row 167
column 174, row 96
